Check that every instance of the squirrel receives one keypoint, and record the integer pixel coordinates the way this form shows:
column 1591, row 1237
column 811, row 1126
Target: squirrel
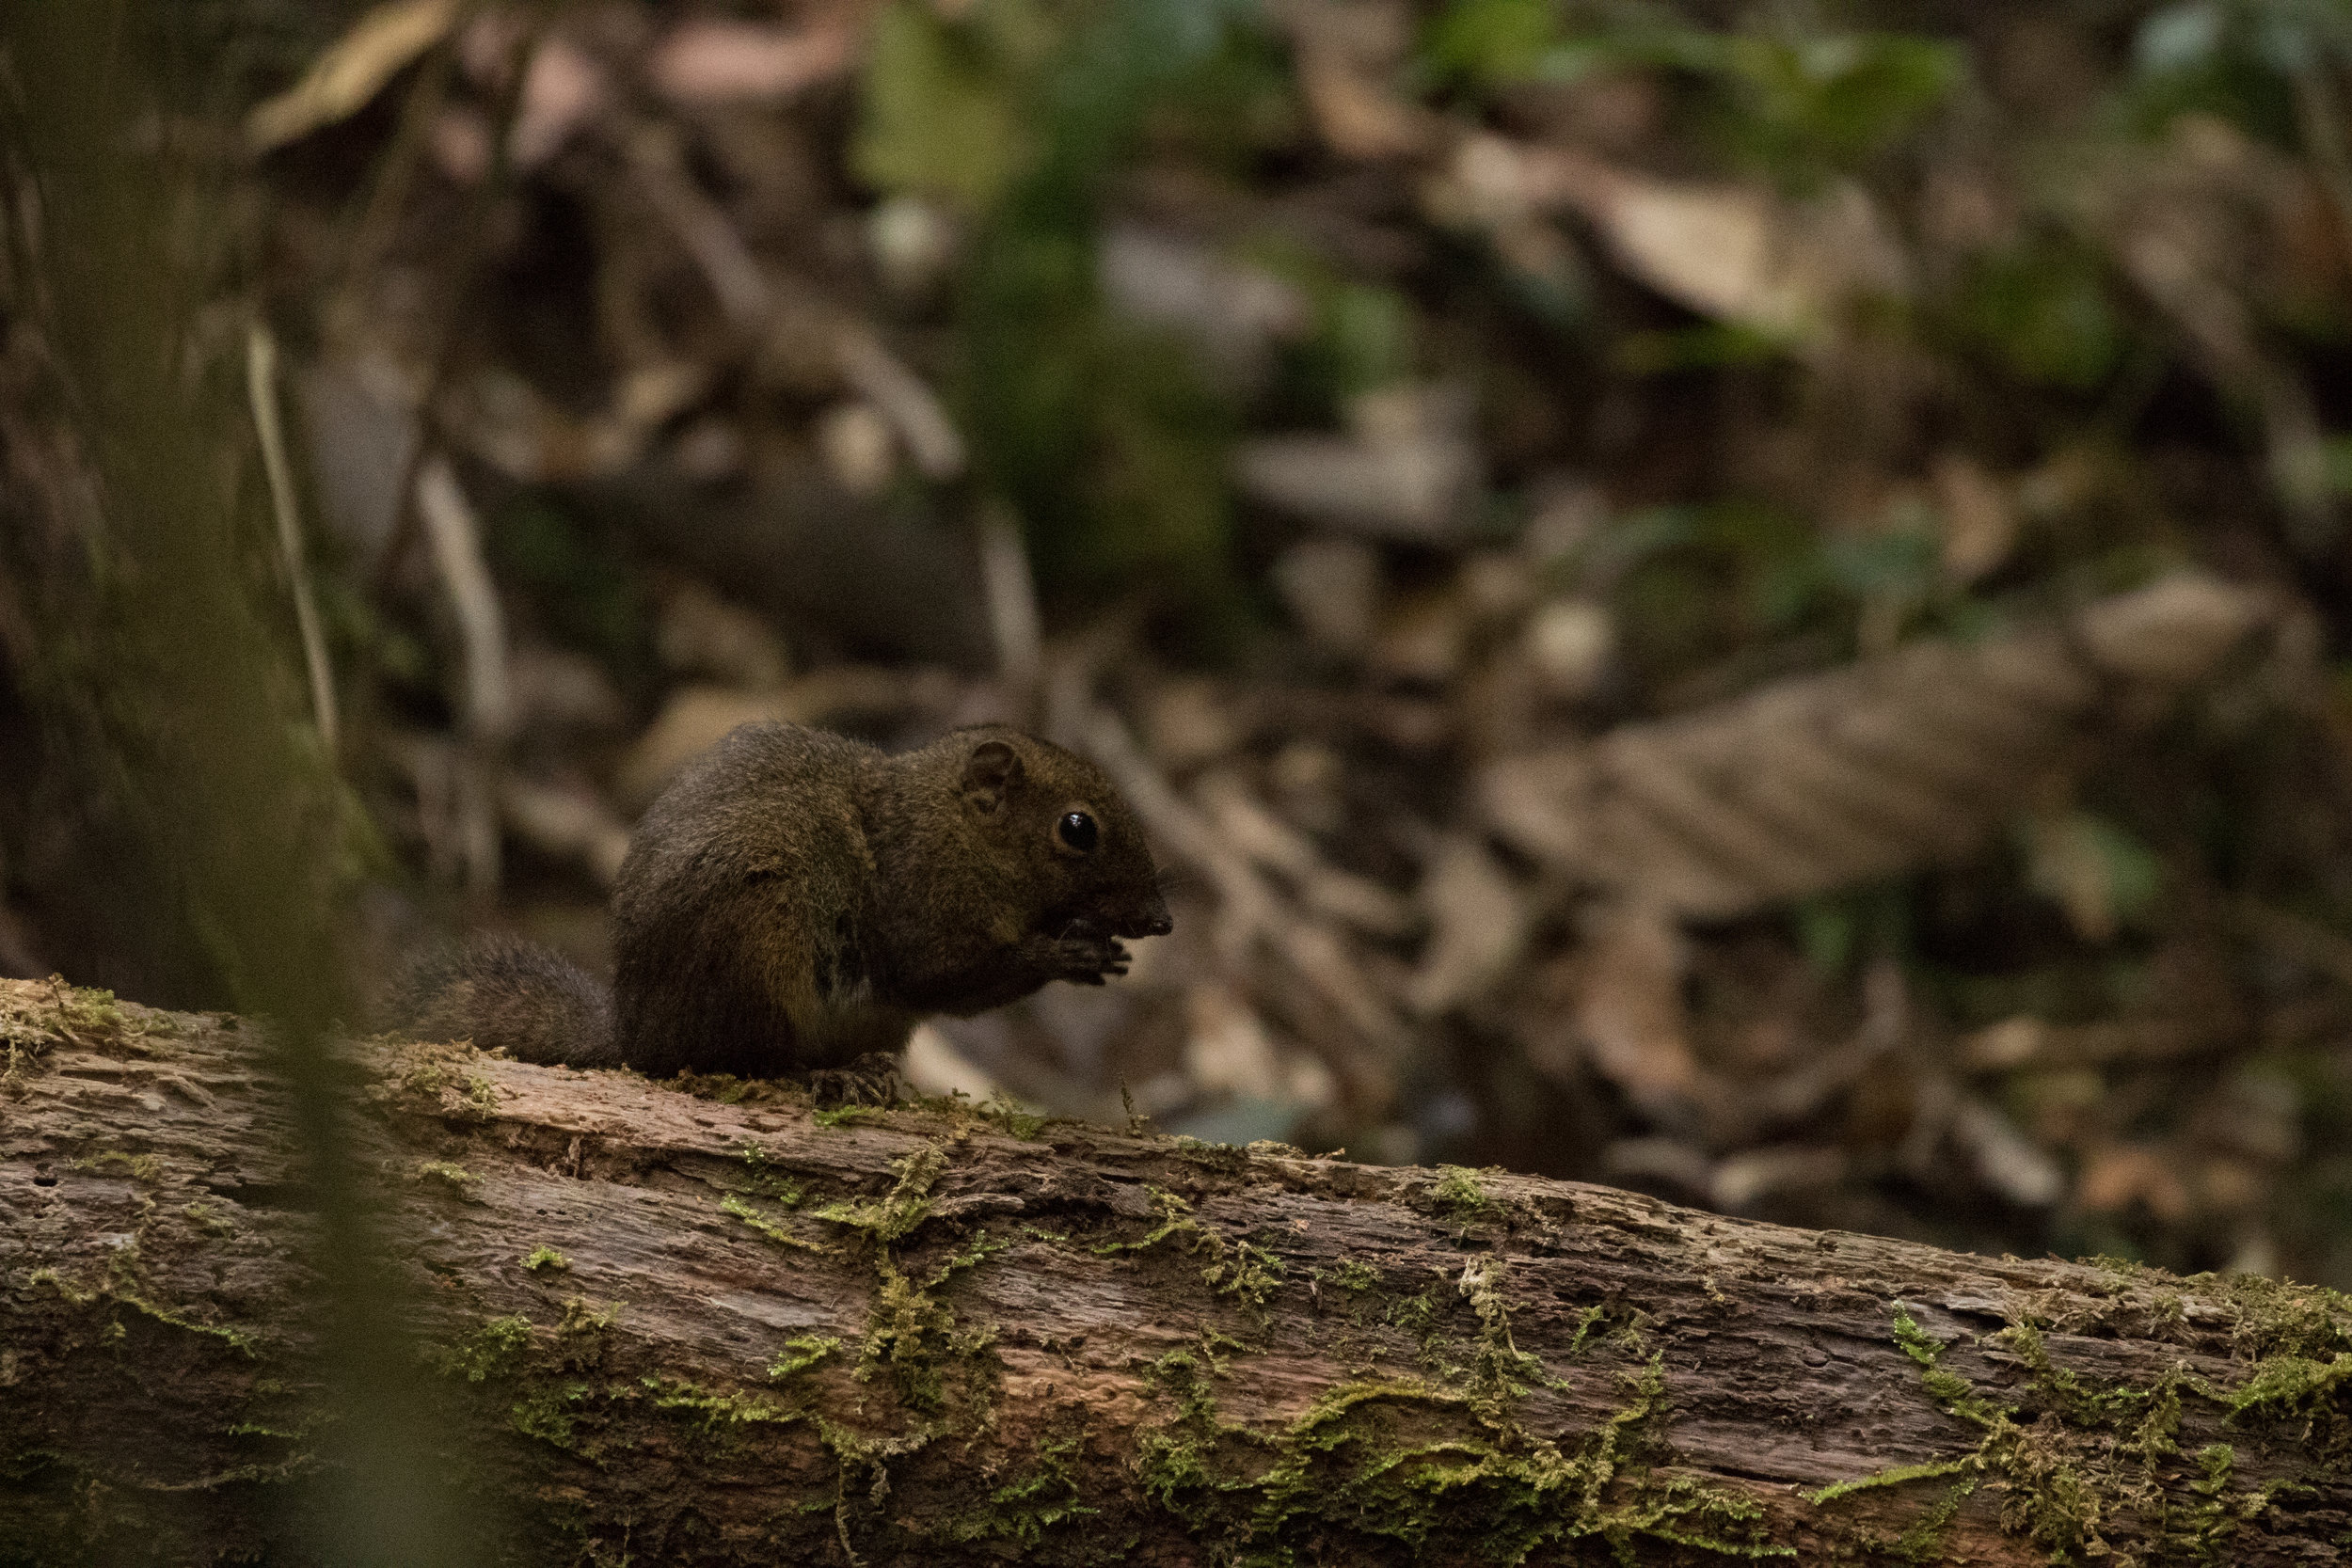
column 795, row 900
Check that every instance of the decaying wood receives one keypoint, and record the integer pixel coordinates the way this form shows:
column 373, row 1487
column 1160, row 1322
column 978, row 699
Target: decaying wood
column 669, row 1326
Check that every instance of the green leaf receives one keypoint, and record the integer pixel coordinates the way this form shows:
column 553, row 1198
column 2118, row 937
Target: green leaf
column 942, row 103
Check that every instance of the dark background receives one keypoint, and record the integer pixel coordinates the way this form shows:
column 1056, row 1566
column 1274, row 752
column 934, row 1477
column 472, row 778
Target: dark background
column 1363, row 397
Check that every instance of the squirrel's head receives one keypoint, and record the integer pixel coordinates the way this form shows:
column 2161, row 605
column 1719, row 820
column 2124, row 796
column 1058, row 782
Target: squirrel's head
column 1059, row 818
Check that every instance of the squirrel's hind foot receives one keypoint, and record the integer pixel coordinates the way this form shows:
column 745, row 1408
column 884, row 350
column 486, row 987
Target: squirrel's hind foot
column 874, row 1079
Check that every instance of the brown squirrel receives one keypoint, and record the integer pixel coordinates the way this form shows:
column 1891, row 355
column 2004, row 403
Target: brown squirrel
column 795, row 900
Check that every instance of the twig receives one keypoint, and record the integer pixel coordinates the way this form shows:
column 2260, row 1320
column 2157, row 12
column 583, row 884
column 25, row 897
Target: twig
column 449, row 522
column 910, row 405
column 1011, row 596
column 463, row 262
column 260, row 368
column 702, row 226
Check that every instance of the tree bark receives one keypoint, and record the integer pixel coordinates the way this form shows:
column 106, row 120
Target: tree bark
column 705, row 1324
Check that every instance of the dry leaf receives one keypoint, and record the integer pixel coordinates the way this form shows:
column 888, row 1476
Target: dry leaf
column 1631, row 1013
column 352, row 71
column 710, row 60
column 1741, row 1179
column 1346, row 52
column 1410, row 469
column 2120, row 1175
column 1979, row 519
column 2005, row 1159
column 1821, row 782
column 565, row 822
column 1478, row 921
column 1227, row 1049
column 2028, row 1042
column 563, row 90
column 1234, row 313
column 1332, row 589
column 1734, row 252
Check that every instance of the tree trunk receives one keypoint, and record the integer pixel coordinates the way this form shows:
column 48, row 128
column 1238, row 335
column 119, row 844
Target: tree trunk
column 711, row 1326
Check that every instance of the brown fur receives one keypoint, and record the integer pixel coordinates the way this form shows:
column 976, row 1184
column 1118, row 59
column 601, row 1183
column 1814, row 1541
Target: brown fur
column 795, row 900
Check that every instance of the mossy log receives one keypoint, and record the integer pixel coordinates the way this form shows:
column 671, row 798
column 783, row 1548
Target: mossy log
column 704, row 1324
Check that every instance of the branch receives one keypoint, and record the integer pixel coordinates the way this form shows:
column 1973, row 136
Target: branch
column 700, row 1323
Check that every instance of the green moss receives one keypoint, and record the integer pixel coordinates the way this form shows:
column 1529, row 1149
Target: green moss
column 678, row 1396
column 1355, row 1275
column 71, row 1294
column 908, row 1205
column 1901, row 1475
column 143, row 1168
column 581, row 1318
column 910, row 1331
column 208, row 1219
column 1923, row 1543
column 1949, row 1389
column 2291, row 1383
column 546, row 1257
column 92, row 1020
column 846, row 1115
column 800, row 1352
column 2102, row 1456
column 1245, row 1271
column 1501, row 1372
column 235, row 1339
column 548, row 1414
column 734, row 1204
column 723, row 1088
column 468, row 1100
column 1361, row 1472
column 491, row 1350
column 457, row 1177
column 1009, row 1115
column 1459, row 1194
column 119, row 1288
column 1415, row 1314
column 768, row 1180
column 1239, row 1269
column 1175, row 1217
column 863, row 1469
column 1023, row 1511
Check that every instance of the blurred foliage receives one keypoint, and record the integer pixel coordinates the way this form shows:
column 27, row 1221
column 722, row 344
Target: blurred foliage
column 1099, row 437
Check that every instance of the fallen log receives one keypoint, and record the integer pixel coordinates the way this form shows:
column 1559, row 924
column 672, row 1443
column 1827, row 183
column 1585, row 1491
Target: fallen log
column 704, row 1324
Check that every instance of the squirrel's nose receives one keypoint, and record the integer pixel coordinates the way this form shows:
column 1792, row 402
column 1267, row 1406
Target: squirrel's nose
column 1156, row 922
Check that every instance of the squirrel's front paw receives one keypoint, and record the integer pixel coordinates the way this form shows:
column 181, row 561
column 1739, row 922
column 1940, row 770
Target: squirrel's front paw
column 1088, row 955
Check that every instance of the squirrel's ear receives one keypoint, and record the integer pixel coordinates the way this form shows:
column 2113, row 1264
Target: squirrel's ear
column 992, row 770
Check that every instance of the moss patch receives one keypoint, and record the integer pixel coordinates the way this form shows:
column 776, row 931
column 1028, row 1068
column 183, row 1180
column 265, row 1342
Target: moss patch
column 1459, row 1196
column 447, row 1174
column 1442, row 1474
column 2095, row 1460
column 800, row 1352
column 1240, row 1269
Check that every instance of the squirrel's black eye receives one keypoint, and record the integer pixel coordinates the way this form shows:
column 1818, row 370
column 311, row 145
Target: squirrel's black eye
column 1077, row 832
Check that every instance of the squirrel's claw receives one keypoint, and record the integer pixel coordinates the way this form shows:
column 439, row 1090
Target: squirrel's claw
column 874, row 1079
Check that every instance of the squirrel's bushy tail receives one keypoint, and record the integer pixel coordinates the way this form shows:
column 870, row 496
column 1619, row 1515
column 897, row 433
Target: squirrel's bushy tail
column 505, row 993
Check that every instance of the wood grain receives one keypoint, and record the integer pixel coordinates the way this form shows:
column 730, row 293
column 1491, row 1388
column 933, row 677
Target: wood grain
column 662, row 1327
